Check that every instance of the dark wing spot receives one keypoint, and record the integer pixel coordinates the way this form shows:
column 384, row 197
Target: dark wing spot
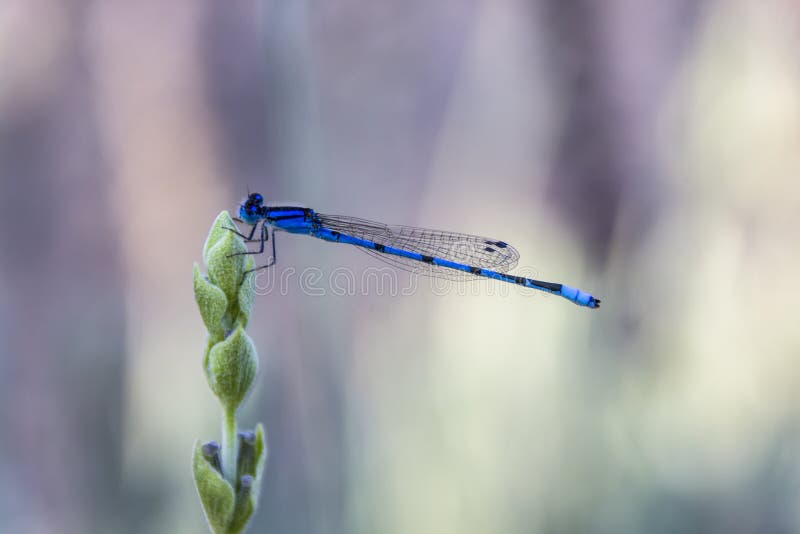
column 489, row 249
column 501, row 244
column 427, row 259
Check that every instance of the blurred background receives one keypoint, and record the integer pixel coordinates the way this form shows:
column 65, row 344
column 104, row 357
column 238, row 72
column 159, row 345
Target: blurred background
column 646, row 152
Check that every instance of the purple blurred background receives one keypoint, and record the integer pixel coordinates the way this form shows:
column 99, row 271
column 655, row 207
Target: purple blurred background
column 645, row 151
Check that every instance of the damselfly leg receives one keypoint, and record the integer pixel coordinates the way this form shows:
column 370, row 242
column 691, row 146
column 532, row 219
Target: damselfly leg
column 248, row 238
column 265, row 234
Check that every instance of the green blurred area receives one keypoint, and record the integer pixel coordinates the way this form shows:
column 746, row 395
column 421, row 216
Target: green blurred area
column 644, row 152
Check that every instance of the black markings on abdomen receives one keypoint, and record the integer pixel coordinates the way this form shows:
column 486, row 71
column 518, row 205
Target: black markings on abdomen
column 556, row 288
column 379, row 247
column 427, row 259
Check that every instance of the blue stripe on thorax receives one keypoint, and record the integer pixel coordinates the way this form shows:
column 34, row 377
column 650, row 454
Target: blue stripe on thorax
column 291, row 219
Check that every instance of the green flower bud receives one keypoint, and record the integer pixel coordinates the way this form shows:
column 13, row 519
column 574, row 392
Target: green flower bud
column 215, row 493
column 212, row 303
column 225, row 269
column 252, row 452
column 247, row 454
column 231, row 367
column 218, row 231
column 211, row 454
column 245, row 505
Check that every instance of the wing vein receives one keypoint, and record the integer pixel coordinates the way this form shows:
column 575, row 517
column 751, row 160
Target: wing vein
column 472, row 250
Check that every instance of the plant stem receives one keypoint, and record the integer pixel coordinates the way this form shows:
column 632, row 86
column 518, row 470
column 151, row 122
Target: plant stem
column 229, row 445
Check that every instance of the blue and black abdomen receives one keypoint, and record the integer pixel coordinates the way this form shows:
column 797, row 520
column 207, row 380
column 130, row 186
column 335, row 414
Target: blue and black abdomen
column 415, row 261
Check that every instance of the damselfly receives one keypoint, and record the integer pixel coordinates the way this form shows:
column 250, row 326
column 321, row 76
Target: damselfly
column 431, row 252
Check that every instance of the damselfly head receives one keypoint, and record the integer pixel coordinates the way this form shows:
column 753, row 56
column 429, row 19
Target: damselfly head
column 250, row 211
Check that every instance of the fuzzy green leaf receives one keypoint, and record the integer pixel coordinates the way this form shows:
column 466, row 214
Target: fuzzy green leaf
column 231, row 367
column 225, row 269
column 212, row 303
column 247, row 294
column 218, row 231
column 261, row 455
column 215, row 493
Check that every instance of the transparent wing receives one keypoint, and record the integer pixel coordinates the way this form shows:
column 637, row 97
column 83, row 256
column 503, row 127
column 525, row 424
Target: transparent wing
column 477, row 251
column 418, row 267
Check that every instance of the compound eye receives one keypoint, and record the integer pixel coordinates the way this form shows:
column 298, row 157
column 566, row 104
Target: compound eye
column 258, row 198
